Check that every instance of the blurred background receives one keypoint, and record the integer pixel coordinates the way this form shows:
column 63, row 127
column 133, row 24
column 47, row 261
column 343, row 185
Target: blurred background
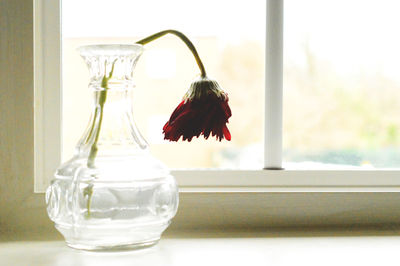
column 341, row 80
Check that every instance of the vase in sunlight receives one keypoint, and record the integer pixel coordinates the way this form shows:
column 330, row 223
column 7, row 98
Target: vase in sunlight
column 112, row 194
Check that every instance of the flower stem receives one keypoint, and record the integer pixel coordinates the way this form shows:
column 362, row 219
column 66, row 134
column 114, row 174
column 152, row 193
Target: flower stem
column 102, row 97
column 101, row 100
column 88, row 191
column 185, row 39
column 93, row 148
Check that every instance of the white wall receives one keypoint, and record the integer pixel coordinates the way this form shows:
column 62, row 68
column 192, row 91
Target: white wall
column 20, row 209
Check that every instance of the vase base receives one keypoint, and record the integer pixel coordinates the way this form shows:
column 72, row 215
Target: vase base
column 112, row 237
column 117, row 248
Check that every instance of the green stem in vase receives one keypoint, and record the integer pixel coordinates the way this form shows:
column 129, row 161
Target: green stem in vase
column 93, row 149
column 88, row 192
column 102, row 97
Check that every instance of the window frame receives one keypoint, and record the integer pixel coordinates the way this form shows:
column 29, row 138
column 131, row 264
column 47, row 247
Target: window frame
column 47, row 125
column 47, row 100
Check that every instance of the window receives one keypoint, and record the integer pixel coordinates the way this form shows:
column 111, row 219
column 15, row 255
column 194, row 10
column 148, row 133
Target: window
column 341, row 84
column 232, row 50
column 251, row 146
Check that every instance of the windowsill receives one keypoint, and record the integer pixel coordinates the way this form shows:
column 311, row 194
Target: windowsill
column 252, row 249
column 259, row 181
column 287, row 180
column 263, row 199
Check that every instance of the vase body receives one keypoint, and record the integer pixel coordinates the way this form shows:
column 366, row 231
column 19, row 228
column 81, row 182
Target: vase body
column 113, row 194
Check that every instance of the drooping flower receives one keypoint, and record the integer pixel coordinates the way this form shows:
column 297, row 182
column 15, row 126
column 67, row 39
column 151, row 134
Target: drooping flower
column 204, row 110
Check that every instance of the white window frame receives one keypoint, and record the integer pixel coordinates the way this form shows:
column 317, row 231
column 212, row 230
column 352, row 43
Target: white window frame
column 47, row 91
column 47, row 128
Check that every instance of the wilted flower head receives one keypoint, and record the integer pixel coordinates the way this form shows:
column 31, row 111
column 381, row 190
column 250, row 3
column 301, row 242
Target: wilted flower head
column 204, row 110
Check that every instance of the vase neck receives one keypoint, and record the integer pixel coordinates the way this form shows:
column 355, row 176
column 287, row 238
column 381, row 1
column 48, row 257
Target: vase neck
column 118, row 59
column 111, row 129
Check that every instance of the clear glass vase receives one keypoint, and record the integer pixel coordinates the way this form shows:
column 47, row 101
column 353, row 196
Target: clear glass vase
column 113, row 194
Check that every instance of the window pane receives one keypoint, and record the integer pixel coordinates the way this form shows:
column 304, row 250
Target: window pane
column 229, row 36
column 341, row 83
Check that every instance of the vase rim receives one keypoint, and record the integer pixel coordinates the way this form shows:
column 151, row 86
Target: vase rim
column 110, row 49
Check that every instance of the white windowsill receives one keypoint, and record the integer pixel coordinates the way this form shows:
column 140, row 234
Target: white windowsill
column 259, row 181
column 288, row 180
column 253, row 250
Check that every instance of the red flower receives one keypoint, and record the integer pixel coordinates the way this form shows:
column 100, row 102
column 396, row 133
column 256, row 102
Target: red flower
column 204, row 110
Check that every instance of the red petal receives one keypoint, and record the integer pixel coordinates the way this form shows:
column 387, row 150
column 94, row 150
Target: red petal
column 203, row 116
column 227, row 134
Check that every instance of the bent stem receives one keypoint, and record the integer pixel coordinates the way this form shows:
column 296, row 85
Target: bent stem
column 185, row 39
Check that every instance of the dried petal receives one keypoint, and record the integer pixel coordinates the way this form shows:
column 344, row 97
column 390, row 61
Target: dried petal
column 203, row 111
